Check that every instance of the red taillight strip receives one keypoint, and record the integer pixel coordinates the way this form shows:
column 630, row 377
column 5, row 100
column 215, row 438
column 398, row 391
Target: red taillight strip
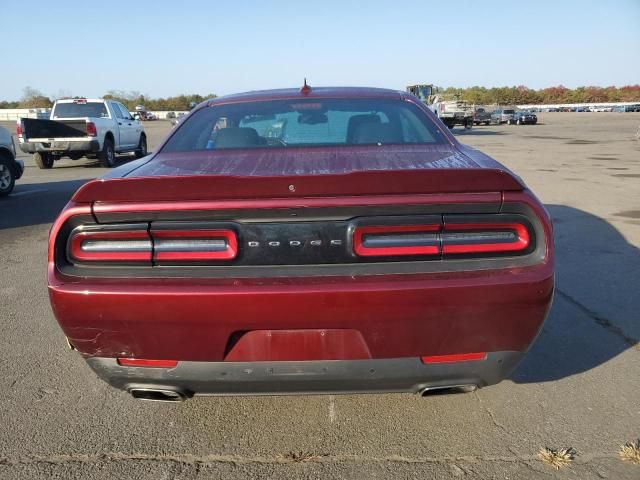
column 141, row 362
column 194, row 245
column 111, row 246
column 449, row 244
column 361, row 249
column 458, row 357
column 91, row 129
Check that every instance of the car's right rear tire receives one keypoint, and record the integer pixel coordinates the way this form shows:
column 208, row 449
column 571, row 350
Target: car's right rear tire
column 43, row 160
column 107, row 155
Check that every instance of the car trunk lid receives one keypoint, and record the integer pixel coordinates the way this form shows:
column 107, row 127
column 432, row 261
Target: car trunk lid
column 299, row 173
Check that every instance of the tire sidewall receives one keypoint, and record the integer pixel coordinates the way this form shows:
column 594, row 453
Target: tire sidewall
column 142, row 147
column 4, row 166
column 43, row 160
column 107, row 160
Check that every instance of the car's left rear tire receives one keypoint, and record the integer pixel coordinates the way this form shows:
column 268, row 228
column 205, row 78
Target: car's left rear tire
column 7, row 177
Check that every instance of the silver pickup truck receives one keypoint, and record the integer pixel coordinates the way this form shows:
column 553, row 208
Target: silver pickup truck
column 81, row 127
column 10, row 168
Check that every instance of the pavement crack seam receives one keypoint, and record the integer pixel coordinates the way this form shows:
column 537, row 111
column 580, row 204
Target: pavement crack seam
column 491, row 414
column 602, row 321
column 199, row 460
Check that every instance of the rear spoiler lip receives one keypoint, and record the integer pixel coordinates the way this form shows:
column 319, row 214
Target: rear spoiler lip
column 368, row 183
column 145, row 211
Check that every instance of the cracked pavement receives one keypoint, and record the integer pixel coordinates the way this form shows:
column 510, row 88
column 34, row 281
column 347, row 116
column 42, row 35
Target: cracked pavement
column 578, row 387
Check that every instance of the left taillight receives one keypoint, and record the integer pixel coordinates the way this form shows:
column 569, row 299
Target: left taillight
column 139, row 244
column 194, row 245
column 110, row 246
column 19, row 129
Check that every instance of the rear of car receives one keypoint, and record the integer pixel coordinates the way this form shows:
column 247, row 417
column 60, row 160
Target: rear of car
column 334, row 240
column 524, row 118
column 507, row 115
column 481, row 116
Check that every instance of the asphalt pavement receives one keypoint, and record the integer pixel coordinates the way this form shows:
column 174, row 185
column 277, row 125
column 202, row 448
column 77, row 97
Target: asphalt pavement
column 578, row 388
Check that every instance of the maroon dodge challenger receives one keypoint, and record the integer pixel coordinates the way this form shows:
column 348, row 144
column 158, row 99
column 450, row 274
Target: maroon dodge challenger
column 303, row 241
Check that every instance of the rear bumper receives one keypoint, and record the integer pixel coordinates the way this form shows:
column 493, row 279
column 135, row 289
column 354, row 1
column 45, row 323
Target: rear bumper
column 334, row 376
column 62, row 146
column 398, row 316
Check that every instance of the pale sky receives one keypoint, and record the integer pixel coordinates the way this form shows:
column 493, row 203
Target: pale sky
column 164, row 48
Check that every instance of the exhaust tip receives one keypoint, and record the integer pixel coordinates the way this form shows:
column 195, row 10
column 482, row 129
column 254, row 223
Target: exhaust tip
column 447, row 390
column 157, row 395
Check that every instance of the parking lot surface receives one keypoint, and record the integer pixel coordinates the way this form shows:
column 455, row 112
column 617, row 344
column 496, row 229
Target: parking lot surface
column 579, row 386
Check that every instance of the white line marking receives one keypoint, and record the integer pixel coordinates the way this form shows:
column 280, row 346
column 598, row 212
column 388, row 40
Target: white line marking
column 332, row 409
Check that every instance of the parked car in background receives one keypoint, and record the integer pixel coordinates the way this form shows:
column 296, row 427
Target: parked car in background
column 523, row 118
column 81, row 127
column 502, row 116
column 10, row 168
column 480, row 115
column 303, row 241
column 143, row 116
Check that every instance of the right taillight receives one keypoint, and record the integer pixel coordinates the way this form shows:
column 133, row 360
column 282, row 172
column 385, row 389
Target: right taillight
column 394, row 240
column 484, row 238
column 453, row 235
column 91, row 129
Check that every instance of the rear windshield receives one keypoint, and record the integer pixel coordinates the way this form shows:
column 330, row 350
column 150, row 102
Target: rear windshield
column 304, row 123
column 78, row 110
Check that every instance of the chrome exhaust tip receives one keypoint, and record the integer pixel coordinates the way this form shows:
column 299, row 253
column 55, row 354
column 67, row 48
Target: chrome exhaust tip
column 447, row 389
column 157, row 395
